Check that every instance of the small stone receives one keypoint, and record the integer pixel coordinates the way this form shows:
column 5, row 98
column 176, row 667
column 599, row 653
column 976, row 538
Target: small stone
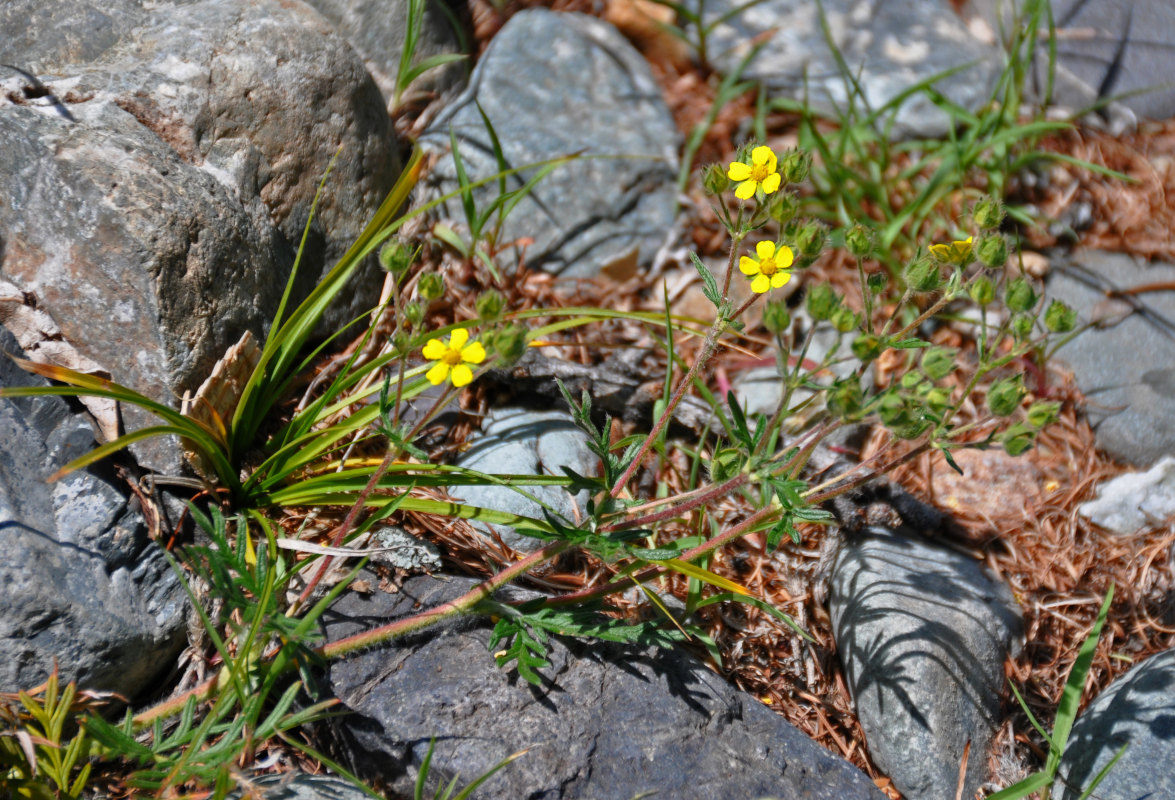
column 1134, row 501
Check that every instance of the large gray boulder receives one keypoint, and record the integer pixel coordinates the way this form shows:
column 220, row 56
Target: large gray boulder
column 1126, row 370
column 922, row 634
column 558, row 84
column 610, row 723
column 889, row 47
column 81, row 585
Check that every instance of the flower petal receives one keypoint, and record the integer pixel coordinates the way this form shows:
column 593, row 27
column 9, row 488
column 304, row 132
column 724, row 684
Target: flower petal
column 780, row 279
column 745, row 190
column 762, row 155
column 459, row 338
column 771, row 182
column 474, row 354
column 738, row 171
column 748, row 266
column 436, row 376
column 760, row 284
column 462, row 375
column 434, row 349
column 765, row 250
column 785, row 257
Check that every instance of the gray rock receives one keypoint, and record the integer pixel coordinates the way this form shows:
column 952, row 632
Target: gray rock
column 147, row 264
column 557, row 84
column 515, row 441
column 1136, row 500
column 259, row 94
column 922, row 634
column 613, row 722
column 80, row 582
column 1106, row 49
column 376, row 29
column 406, row 552
column 1135, row 710
column 890, row 46
column 1127, row 371
column 295, row 786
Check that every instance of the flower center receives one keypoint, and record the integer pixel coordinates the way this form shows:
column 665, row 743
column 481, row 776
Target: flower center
column 759, row 173
column 768, row 267
column 452, row 357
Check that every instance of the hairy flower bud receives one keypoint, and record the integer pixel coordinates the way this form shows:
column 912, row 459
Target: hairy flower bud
column 810, row 239
column 868, row 346
column 509, row 343
column 876, row 282
column 822, row 302
column 1017, row 438
column 490, row 305
column 776, row 317
column 988, row 213
column 1059, row 318
column 714, row 180
column 844, row 320
column 922, row 275
column 1042, row 414
column 982, row 291
column 859, row 241
column 795, row 166
column 413, row 313
column 1019, row 296
column 1004, row 396
column 992, row 251
column 395, row 257
column 783, row 207
column 431, row 286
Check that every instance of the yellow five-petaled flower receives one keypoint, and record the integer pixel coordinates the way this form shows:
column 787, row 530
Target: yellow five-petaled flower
column 453, row 358
column 957, row 252
column 771, row 270
column 761, row 172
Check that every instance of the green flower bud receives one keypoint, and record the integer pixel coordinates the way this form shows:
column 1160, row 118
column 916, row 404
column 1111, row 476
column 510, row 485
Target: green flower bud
column 395, row 257
column 1059, row 318
column 1022, row 326
column 938, row 362
column 509, row 343
column 938, row 399
column 431, row 286
column 922, row 275
column 1019, row 295
column 1004, row 396
column 893, row 410
column 868, row 346
column 843, row 319
column 490, row 305
column 810, row 239
column 992, row 251
column 1017, row 438
column 726, row 464
column 413, row 313
column 794, row 166
column 822, row 302
column 1042, row 414
column 982, row 291
column 715, row 180
column 402, row 341
column 845, row 399
column 859, row 241
column 783, row 207
column 876, row 282
column 910, row 380
column 776, row 318
column 988, row 213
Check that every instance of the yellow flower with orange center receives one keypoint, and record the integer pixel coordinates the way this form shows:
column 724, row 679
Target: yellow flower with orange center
column 762, row 172
column 453, row 358
column 771, row 270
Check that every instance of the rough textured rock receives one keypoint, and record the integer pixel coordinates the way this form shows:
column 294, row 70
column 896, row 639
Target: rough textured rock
column 613, row 722
column 258, row 94
column 147, row 264
column 922, row 634
column 375, row 28
column 556, row 84
column 79, row 581
column 1136, row 500
column 1106, row 49
column 1134, row 710
column 515, row 441
column 1126, row 371
column 889, row 46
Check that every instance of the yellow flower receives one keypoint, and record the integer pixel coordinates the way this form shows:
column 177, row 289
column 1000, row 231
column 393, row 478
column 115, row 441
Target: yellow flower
column 957, row 252
column 453, row 358
column 761, row 172
column 771, row 270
